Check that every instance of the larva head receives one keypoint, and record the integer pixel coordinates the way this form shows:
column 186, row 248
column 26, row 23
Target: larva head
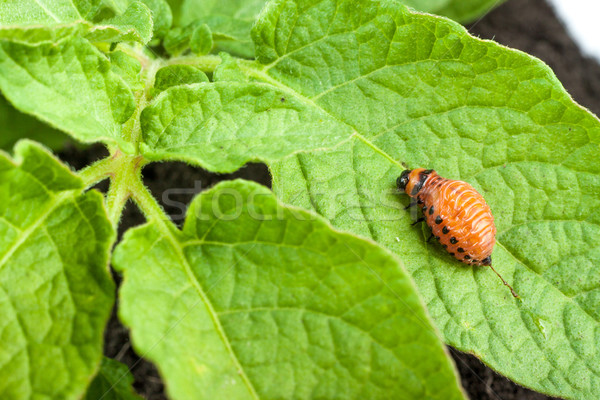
column 411, row 181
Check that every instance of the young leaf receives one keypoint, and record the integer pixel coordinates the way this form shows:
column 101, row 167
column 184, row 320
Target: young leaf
column 177, row 40
column 69, row 85
column 229, row 70
column 57, row 292
column 201, row 41
column 32, row 22
column 128, row 68
column 223, row 125
column 196, row 37
column 230, row 21
column 419, row 89
column 15, row 125
column 136, row 21
column 177, row 75
column 113, row 382
column 162, row 17
column 267, row 301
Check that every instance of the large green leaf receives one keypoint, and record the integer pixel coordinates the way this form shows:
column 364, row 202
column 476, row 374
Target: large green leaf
column 69, row 85
column 113, row 382
column 223, row 125
column 418, row 89
column 34, row 21
column 15, row 125
column 268, row 301
column 56, row 292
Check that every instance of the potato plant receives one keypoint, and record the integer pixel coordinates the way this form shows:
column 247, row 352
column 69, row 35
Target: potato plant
column 320, row 287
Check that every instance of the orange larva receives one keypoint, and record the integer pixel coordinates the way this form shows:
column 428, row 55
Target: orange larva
column 459, row 217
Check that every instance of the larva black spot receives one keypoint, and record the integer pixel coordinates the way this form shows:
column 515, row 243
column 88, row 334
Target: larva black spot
column 453, row 240
column 431, row 210
column 461, row 250
column 445, row 230
column 445, row 246
column 438, row 220
column 467, row 257
column 452, row 254
column 424, row 209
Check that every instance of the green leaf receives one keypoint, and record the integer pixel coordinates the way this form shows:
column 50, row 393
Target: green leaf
column 229, row 70
column 188, row 11
column 15, row 125
column 161, row 16
column 32, row 12
column 69, row 85
column 458, row 10
column 196, row 37
column 418, row 89
column 230, row 21
column 113, row 382
column 468, row 10
column 178, row 39
column 223, row 125
column 201, row 41
column 177, row 75
column 32, row 22
column 267, row 301
column 56, row 291
column 135, row 22
column 128, row 68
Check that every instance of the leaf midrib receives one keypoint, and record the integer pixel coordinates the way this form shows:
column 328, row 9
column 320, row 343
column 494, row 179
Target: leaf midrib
column 50, row 13
column 24, row 235
column 177, row 246
column 259, row 73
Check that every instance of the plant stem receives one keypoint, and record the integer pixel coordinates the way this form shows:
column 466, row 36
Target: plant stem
column 125, row 170
column 115, row 201
column 132, row 128
column 207, row 63
column 149, row 206
column 97, row 172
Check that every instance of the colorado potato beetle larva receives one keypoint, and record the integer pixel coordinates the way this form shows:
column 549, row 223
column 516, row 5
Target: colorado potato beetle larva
column 458, row 215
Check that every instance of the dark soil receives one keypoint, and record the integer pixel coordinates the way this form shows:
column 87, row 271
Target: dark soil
column 528, row 25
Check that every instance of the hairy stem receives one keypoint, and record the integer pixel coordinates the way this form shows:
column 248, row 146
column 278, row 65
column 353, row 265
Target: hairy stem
column 148, row 205
column 207, row 63
column 125, row 170
column 97, row 172
column 125, row 173
column 116, row 199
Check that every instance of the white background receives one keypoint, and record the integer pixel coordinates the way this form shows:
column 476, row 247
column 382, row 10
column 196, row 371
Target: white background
column 582, row 19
